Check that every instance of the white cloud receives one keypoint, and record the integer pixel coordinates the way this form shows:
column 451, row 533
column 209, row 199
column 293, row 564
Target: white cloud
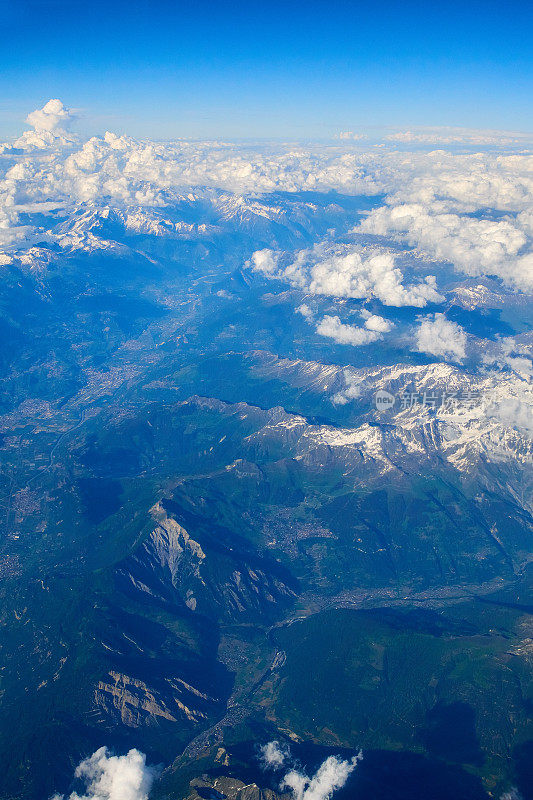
column 345, row 396
column 465, row 136
column 51, row 117
column 474, row 210
column 350, row 135
column 330, row 776
column 352, row 390
column 265, row 261
column 347, row 271
column 333, row 328
column 273, row 756
column 108, row 777
column 447, row 182
column 516, row 358
column 376, row 323
column 510, row 354
column 513, row 794
column 440, row 337
column 513, row 413
column 474, row 246
column 349, row 274
column 305, row 311
column 49, row 125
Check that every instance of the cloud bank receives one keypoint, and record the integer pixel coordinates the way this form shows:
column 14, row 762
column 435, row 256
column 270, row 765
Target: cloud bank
column 473, row 246
column 472, row 212
column 460, row 136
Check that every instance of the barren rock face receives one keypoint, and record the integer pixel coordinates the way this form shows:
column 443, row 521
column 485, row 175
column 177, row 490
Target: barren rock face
column 209, row 579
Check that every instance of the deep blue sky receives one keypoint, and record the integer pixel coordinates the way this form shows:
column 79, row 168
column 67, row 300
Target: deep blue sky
column 291, row 69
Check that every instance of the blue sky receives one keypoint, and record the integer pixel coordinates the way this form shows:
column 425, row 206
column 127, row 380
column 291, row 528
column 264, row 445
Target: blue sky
column 268, row 69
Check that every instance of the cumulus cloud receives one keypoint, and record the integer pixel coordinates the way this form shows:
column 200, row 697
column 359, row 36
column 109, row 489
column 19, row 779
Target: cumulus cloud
column 333, row 328
column 305, row 311
column 273, row 755
column 347, row 271
column 473, row 246
column 49, row 125
column 52, row 116
column 108, row 777
column 265, row 261
column 330, row 776
column 439, row 336
column 376, row 323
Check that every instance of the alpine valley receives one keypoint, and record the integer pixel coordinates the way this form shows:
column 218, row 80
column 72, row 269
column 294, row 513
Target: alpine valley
column 214, row 537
